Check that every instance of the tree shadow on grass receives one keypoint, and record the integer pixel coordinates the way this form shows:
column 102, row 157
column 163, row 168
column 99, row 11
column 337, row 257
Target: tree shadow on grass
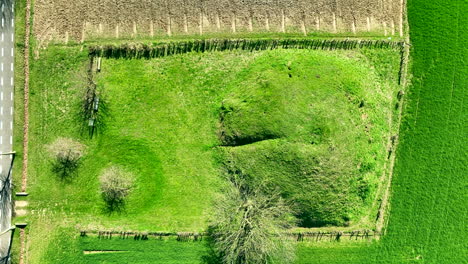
column 65, row 167
column 113, row 206
column 211, row 256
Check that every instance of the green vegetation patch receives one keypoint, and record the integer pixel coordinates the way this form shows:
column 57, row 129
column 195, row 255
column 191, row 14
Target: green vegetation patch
column 314, row 126
column 312, row 123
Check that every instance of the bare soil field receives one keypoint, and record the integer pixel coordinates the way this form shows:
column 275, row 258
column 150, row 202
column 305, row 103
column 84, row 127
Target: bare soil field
column 64, row 20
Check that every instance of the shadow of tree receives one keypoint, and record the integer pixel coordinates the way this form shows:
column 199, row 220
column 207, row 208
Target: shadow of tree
column 211, row 256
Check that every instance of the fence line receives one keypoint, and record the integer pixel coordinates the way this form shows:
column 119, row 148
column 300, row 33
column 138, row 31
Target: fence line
column 148, row 51
column 315, row 236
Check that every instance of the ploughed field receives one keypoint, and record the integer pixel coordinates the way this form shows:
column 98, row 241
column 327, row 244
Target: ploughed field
column 312, row 124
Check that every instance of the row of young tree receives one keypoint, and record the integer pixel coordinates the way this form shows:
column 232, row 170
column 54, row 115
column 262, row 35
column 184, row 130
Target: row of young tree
column 169, row 17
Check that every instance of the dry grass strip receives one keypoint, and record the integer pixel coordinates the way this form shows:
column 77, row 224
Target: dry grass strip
column 24, row 178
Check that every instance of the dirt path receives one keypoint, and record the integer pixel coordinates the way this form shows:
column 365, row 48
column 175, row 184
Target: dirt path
column 24, row 179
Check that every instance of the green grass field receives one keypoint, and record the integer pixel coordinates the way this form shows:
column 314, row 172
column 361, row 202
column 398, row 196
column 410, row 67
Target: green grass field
column 163, row 125
column 70, row 250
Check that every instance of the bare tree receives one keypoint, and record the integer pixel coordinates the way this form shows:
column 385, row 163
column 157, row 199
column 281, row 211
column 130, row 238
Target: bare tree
column 248, row 227
column 116, row 184
column 67, row 154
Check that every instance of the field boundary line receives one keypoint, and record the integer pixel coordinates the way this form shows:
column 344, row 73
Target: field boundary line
column 384, row 209
column 147, row 51
column 358, row 235
column 24, row 174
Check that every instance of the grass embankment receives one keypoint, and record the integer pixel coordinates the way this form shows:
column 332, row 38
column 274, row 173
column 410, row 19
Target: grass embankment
column 163, row 125
column 427, row 221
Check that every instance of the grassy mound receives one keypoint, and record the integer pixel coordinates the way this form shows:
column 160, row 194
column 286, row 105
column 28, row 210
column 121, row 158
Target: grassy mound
column 323, row 123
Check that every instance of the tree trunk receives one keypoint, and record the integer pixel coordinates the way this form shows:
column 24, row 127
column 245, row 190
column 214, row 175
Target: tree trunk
column 66, row 37
column 200, row 24
column 169, row 26
column 117, row 31
column 250, row 23
column 185, row 23
column 385, row 28
column 334, row 22
column 402, row 8
column 151, row 28
column 218, row 21
column 303, row 26
column 233, row 23
column 267, row 22
column 317, row 22
column 368, row 24
column 83, row 33
column 392, row 25
column 353, row 27
column 283, row 21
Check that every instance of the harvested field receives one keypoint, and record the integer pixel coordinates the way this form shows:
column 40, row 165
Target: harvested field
column 63, row 20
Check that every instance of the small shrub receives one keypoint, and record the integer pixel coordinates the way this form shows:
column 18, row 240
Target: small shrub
column 116, row 184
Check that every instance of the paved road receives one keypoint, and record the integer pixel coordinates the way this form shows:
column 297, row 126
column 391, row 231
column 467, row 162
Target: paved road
column 6, row 112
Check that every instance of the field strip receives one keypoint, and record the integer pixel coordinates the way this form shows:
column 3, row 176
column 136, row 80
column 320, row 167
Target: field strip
column 24, row 178
column 384, row 208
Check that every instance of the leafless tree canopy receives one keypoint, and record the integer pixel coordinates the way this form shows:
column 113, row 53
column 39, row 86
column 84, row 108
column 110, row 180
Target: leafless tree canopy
column 116, row 184
column 66, row 155
column 248, row 225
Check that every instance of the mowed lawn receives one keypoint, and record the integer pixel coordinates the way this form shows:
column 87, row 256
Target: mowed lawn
column 162, row 125
column 427, row 222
